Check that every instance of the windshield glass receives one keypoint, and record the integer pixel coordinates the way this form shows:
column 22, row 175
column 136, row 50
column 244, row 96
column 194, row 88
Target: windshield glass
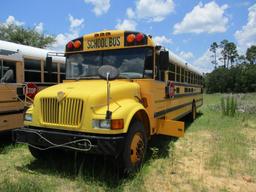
column 132, row 63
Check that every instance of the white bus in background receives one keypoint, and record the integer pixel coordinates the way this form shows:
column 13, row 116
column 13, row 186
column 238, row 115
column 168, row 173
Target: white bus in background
column 21, row 65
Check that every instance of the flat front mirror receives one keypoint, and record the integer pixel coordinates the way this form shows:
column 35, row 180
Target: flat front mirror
column 164, row 60
column 48, row 62
column 108, row 72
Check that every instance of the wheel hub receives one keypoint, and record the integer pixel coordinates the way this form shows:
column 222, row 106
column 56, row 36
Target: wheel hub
column 137, row 148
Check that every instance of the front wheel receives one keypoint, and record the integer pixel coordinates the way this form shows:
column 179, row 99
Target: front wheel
column 135, row 147
column 38, row 154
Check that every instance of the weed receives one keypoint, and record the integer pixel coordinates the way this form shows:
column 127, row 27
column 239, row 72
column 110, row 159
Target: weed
column 228, row 105
column 24, row 184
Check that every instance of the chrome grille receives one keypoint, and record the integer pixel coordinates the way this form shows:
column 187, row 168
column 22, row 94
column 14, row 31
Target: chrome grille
column 66, row 112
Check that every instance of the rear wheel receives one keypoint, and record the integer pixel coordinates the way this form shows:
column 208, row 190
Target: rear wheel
column 135, row 147
column 193, row 113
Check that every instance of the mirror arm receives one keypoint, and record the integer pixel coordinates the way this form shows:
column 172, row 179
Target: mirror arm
column 108, row 113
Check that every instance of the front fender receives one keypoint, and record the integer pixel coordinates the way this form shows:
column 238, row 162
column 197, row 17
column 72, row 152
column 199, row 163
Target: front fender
column 127, row 112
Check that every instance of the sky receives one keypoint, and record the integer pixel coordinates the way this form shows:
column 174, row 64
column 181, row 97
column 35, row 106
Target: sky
column 187, row 28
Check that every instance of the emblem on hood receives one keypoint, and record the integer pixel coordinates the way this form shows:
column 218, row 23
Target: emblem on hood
column 60, row 96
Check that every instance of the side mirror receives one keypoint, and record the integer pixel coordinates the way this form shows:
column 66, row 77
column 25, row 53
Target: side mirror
column 48, row 62
column 108, row 72
column 163, row 60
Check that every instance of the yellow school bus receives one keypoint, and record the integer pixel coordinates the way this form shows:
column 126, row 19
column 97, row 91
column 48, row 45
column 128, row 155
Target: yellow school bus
column 120, row 90
column 20, row 65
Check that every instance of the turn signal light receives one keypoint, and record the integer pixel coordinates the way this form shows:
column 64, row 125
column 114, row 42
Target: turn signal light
column 117, row 124
column 130, row 38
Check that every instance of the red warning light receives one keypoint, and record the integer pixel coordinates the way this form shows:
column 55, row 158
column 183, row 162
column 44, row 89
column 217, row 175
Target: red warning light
column 139, row 37
column 70, row 45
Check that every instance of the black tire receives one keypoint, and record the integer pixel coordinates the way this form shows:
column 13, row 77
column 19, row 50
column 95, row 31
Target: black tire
column 193, row 112
column 135, row 147
column 38, row 154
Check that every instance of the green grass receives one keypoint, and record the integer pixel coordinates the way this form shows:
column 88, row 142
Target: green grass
column 216, row 154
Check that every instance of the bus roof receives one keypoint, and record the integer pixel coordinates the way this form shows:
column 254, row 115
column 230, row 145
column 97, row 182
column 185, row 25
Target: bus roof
column 28, row 51
column 181, row 62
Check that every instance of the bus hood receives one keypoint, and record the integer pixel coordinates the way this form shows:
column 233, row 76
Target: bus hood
column 83, row 89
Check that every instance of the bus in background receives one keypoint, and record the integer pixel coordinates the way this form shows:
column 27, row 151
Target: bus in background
column 22, row 65
column 120, row 90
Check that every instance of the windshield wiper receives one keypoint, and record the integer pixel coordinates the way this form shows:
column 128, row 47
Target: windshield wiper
column 88, row 77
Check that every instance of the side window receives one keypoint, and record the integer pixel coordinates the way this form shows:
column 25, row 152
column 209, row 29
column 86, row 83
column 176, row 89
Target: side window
column 54, row 77
column 8, row 71
column 62, row 72
column 171, row 73
column 1, row 68
column 32, row 70
column 177, row 73
column 182, row 74
column 186, row 76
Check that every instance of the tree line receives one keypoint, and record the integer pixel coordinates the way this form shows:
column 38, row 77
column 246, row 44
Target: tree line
column 233, row 72
column 25, row 36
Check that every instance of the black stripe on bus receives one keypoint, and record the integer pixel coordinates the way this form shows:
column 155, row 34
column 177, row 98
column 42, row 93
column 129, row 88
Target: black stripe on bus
column 11, row 112
column 178, row 96
column 186, row 94
column 184, row 114
column 165, row 111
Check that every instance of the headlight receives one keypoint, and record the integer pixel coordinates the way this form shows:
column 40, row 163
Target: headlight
column 101, row 123
column 113, row 124
column 28, row 117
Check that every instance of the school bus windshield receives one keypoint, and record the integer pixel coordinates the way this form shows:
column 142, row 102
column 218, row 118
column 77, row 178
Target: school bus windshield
column 132, row 63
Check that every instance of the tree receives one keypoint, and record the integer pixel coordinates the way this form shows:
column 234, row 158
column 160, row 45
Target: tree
column 228, row 52
column 213, row 49
column 25, row 36
column 223, row 45
column 231, row 53
column 251, row 54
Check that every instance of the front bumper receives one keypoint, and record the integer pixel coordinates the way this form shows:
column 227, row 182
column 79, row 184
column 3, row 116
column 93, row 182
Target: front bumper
column 77, row 141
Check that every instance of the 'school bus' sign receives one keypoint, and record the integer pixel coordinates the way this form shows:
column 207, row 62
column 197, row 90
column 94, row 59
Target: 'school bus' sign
column 103, row 43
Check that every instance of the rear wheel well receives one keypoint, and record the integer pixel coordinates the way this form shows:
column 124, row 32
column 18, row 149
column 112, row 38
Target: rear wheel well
column 142, row 116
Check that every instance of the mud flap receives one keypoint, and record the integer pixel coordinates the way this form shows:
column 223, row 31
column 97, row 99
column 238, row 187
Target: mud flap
column 170, row 127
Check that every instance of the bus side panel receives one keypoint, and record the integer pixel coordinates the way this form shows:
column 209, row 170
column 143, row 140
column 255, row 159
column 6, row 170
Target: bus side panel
column 11, row 121
column 11, row 110
column 7, row 107
column 153, row 91
column 8, row 92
